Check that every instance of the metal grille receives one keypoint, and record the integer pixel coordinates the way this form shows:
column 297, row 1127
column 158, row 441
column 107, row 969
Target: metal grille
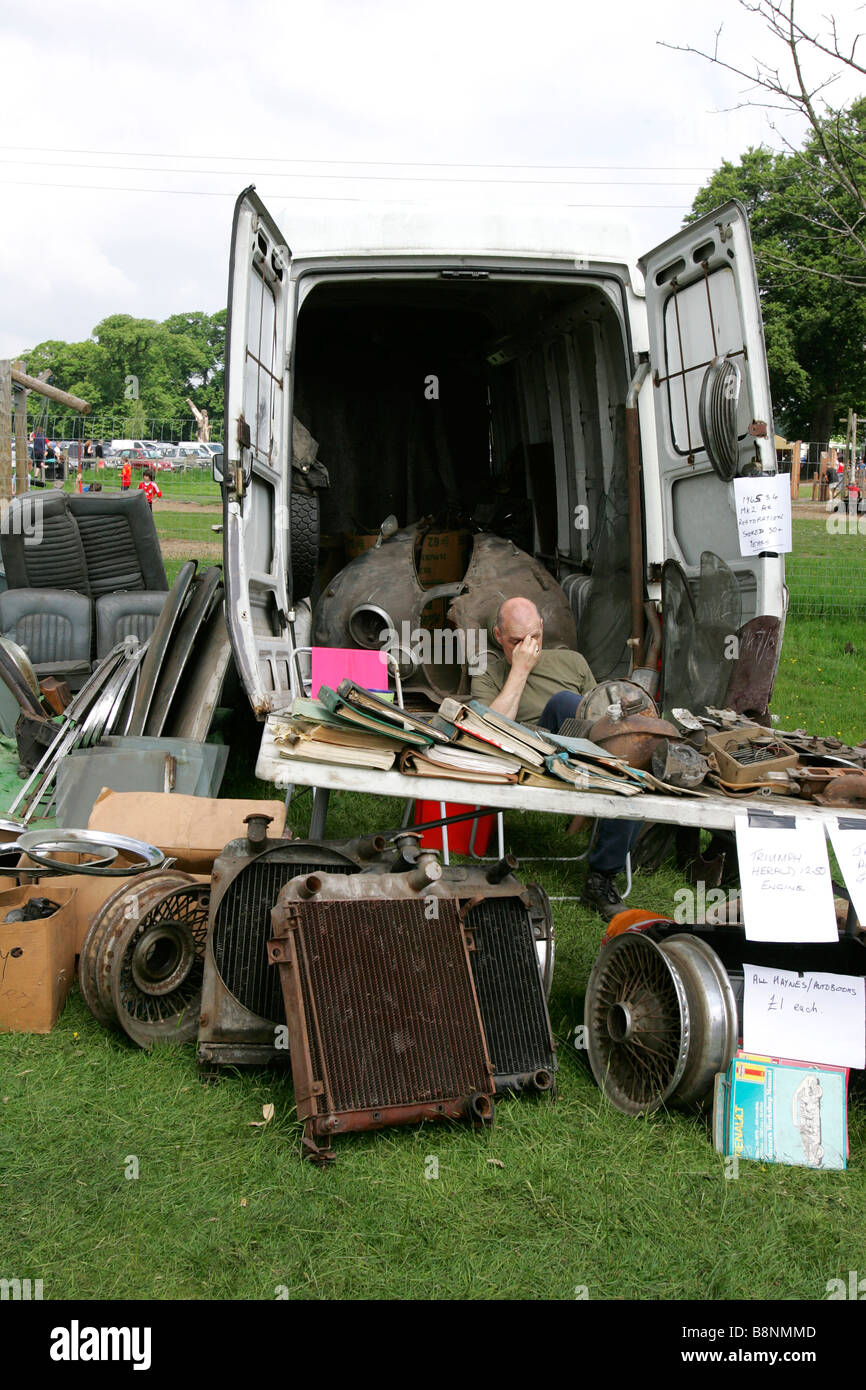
column 242, row 929
column 388, row 1005
column 510, row 992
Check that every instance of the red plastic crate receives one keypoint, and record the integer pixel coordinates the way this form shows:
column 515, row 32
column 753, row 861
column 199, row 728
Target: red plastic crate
column 460, row 834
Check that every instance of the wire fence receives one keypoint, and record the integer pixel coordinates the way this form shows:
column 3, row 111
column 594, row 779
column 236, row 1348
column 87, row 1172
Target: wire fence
column 826, row 571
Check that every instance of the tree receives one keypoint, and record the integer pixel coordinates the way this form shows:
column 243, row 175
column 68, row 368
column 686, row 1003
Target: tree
column 831, row 165
column 137, row 373
column 814, row 322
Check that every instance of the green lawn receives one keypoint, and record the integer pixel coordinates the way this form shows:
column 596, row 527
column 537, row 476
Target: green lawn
column 554, row 1198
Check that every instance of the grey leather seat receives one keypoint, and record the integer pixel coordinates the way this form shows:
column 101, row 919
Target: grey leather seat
column 126, row 614
column 54, row 628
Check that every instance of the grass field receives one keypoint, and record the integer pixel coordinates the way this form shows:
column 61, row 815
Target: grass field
column 555, row 1198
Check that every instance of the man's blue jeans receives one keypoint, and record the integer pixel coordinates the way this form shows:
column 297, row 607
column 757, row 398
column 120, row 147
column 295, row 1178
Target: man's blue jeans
column 615, row 837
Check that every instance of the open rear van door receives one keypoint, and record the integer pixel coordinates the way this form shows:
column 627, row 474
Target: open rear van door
column 258, row 444
column 711, row 395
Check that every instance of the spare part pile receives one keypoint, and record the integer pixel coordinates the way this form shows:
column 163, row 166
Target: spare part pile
column 171, row 681
column 241, row 1006
column 410, row 995
column 664, row 1006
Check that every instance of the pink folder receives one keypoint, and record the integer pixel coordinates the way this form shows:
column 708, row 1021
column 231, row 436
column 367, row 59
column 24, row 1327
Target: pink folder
column 334, row 664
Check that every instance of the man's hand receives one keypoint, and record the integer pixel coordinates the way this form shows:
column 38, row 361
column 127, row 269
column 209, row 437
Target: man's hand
column 525, row 656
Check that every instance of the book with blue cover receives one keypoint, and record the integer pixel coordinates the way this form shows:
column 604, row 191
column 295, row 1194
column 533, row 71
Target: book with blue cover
column 779, row 1111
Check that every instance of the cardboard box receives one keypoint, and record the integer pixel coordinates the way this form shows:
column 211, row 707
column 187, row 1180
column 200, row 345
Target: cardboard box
column 194, row 830
column 90, row 892
column 443, row 557
column 37, row 961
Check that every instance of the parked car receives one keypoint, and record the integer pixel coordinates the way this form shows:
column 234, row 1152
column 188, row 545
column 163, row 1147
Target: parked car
column 193, row 455
column 143, row 458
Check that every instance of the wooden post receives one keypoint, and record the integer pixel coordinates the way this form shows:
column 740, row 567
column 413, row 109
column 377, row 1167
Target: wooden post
column 22, row 462
column 5, row 430
column 795, row 472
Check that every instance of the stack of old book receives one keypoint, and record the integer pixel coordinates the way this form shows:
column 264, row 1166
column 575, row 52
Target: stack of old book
column 466, row 742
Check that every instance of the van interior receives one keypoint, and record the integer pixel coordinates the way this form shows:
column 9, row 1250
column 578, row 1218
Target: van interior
column 498, row 402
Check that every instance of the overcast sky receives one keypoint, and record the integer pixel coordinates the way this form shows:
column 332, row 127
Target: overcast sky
column 139, row 124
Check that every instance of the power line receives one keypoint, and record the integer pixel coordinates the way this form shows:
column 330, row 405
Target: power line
column 381, row 163
column 374, row 178
column 298, row 197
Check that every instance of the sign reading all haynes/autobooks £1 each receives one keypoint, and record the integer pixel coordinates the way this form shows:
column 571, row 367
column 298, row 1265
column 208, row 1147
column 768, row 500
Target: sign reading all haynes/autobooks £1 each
column 778, row 1111
column 815, row 1014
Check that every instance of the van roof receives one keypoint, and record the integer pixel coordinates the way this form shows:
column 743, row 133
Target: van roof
column 457, row 229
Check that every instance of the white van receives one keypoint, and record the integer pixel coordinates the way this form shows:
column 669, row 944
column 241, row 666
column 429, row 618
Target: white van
column 593, row 410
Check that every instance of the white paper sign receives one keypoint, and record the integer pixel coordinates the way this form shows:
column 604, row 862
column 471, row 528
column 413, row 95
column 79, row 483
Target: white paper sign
column 764, row 513
column 808, row 1016
column 785, row 882
column 850, row 848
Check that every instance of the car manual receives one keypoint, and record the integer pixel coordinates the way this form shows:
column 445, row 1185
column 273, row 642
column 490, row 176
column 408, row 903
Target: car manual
column 470, row 726
column 780, row 1111
column 310, row 750
column 360, row 718
column 314, row 741
column 359, row 698
column 418, row 764
column 541, row 742
column 587, row 777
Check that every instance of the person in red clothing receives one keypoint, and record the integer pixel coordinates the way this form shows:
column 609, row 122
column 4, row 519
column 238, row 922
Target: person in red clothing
column 149, row 487
column 125, row 475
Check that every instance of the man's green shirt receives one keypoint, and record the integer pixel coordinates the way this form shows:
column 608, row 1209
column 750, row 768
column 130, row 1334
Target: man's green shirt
column 555, row 670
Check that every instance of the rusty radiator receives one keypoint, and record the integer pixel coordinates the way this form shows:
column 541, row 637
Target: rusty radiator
column 511, row 995
column 243, row 1018
column 383, row 1018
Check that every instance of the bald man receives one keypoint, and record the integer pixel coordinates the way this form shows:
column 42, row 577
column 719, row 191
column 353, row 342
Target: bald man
column 544, row 688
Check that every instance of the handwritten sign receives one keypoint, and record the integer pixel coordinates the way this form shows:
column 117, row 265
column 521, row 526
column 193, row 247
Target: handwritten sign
column 764, row 513
column 808, row 1016
column 850, row 847
column 785, row 882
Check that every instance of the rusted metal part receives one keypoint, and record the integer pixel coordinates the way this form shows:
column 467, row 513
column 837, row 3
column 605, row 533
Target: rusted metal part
column 241, row 997
column 384, row 1024
column 497, row 570
column 156, row 979
column 94, row 976
column 754, row 673
column 815, row 780
column 508, row 935
column 377, row 599
column 596, row 702
column 461, row 881
column 634, row 738
column 845, row 791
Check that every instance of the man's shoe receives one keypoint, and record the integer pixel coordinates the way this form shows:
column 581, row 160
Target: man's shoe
column 600, row 893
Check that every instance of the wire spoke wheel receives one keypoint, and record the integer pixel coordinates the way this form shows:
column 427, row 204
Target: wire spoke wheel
column 107, row 926
column 157, row 972
column 661, row 1021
